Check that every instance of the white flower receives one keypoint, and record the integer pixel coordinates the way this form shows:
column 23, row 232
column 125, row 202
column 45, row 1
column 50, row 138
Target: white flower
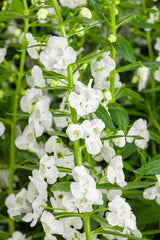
column 41, row 118
column 2, row 128
column 72, row 3
column 57, row 54
column 120, row 142
column 31, row 96
column 157, row 44
column 32, row 51
column 120, row 214
column 153, row 17
column 50, row 224
column 37, row 77
column 139, row 128
column 86, row 100
column 18, row 236
column 115, row 171
column 74, row 131
column 92, row 130
column 71, row 224
column 153, row 192
column 111, row 194
column 157, row 72
column 17, row 203
column 3, row 52
column 27, row 140
column 142, row 75
column 47, row 169
column 36, row 211
column 102, row 67
column 106, row 152
column 85, row 186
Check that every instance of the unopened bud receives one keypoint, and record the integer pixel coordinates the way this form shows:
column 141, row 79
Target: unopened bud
column 42, row 13
column 80, row 32
column 17, row 32
column 112, row 38
column 53, row 83
column 1, row 94
column 85, row 12
column 107, row 95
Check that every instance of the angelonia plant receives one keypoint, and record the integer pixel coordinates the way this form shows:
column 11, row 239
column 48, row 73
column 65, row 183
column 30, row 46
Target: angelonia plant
column 80, row 119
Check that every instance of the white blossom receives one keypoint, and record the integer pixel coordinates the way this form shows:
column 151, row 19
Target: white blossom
column 17, row 203
column 32, row 51
column 153, row 192
column 86, row 99
column 85, row 187
column 101, row 68
column 115, row 172
column 157, row 44
column 106, row 153
column 3, row 52
column 120, row 142
column 37, row 77
column 2, row 128
column 50, row 224
column 157, row 72
column 139, row 128
column 121, row 215
column 92, row 130
column 57, row 54
column 48, row 169
column 18, row 236
column 41, row 118
column 31, row 96
column 142, row 74
column 74, row 131
column 72, row 3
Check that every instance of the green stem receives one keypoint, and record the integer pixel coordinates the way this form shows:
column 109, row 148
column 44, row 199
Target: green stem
column 113, row 50
column 15, row 108
column 87, row 226
column 77, row 149
column 59, row 18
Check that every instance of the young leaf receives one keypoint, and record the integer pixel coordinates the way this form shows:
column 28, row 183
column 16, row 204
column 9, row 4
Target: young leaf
column 55, row 133
column 119, row 115
column 28, row 167
column 126, row 91
column 61, row 186
column 125, row 49
column 4, row 235
column 151, row 168
column 154, row 136
column 104, row 116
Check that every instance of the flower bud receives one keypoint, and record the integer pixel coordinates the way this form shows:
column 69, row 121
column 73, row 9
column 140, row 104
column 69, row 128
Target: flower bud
column 85, row 12
column 112, row 38
column 42, row 13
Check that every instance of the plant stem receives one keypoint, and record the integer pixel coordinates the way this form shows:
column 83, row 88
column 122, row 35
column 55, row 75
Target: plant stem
column 87, row 226
column 59, row 18
column 77, row 149
column 15, row 108
column 113, row 50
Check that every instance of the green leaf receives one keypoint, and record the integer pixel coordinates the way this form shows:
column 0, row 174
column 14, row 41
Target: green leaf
column 130, row 185
column 148, row 215
column 126, row 91
column 110, row 232
column 61, row 186
column 154, row 64
column 28, row 167
column 131, row 5
column 154, row 136
column 156, row 89
column 102, row 114
column 125, row 49
column 119, row 115
column 125, row 18
column 129, row 67
column 90, row 57
column 18, row 218
column 101, row 220
column 150, row 168
column 145, row 25
column 8, row 15
column 56, row 133
column 17, row 6
column 4, row 235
